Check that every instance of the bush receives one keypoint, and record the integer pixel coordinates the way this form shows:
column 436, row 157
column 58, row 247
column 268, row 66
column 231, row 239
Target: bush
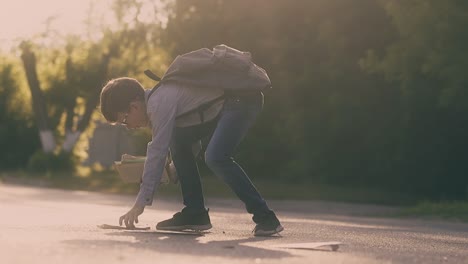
column 52, row 162
column 18, row 136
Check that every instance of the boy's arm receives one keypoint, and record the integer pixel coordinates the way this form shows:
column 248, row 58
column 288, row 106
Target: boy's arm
column 162, row 117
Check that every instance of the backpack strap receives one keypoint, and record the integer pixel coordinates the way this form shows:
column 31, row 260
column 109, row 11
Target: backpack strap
column 200, row 109
column 153, row 90
column 154, row 77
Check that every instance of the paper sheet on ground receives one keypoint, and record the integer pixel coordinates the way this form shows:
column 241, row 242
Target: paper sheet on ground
column 106, row 226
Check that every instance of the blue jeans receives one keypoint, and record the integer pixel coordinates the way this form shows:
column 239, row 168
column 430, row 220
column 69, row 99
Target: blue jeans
column 223, row 134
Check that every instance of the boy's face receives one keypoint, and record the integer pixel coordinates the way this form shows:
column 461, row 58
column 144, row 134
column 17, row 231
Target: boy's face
column 135, row 117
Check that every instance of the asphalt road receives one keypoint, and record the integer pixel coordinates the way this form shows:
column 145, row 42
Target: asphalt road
column 40, row 225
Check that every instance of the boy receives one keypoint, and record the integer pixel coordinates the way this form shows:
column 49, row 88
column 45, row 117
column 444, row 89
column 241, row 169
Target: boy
column 167, row 110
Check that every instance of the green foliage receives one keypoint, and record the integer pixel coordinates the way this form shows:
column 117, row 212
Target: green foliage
column 18, row 136
column 331, row 116
column 311, row 51
column 431, row 46
column 51, row 162
column 366, row 93
column 456, row 210
column 428, row 60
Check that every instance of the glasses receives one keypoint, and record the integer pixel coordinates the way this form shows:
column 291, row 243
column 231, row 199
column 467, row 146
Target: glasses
column 124, row 121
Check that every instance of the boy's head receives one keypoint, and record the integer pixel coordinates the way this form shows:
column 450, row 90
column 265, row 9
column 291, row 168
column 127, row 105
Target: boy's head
column 123, row 101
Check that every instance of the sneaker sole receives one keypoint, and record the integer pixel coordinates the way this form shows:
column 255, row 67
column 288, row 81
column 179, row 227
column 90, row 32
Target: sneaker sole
column 269, row 233
column 185, row 227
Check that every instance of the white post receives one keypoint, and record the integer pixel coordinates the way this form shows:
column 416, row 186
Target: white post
column 70, row 140
column 47, row 140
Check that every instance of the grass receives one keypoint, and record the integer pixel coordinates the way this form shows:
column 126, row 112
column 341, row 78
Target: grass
column 449, row 210
column 109, row 182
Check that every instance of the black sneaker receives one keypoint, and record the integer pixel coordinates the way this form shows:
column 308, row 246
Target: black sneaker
column 186, row 220
column 267, row 224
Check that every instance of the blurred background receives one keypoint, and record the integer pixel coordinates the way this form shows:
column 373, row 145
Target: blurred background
column 369, row 97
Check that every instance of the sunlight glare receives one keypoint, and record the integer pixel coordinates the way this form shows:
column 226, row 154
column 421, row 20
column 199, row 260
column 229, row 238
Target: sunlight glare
column 21, row 19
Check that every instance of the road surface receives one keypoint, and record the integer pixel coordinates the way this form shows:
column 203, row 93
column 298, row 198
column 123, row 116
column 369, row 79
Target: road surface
column 41, row 225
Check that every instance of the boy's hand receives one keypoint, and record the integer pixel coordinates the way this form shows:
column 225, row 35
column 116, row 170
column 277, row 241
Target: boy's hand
column 131, row 216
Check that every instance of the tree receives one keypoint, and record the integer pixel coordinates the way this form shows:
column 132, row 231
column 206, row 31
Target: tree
column 75, row 79
column 431, row 45
column 37, row 96
column 76, row 71
column 427, row 61
column 16, row 124
column 316, row 120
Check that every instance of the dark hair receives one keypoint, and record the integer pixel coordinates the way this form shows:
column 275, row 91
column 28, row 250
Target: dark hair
column 117, row 95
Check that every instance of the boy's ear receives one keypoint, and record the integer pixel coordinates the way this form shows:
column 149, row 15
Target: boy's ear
column 133, row 104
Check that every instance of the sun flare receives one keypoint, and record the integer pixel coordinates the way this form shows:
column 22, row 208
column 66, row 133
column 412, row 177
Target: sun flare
column 26, row 18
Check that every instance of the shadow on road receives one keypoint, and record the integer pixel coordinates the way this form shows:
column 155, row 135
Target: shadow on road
column 186, row 245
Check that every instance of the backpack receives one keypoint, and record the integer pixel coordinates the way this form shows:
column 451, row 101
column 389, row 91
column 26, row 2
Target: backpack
column 223, row 67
